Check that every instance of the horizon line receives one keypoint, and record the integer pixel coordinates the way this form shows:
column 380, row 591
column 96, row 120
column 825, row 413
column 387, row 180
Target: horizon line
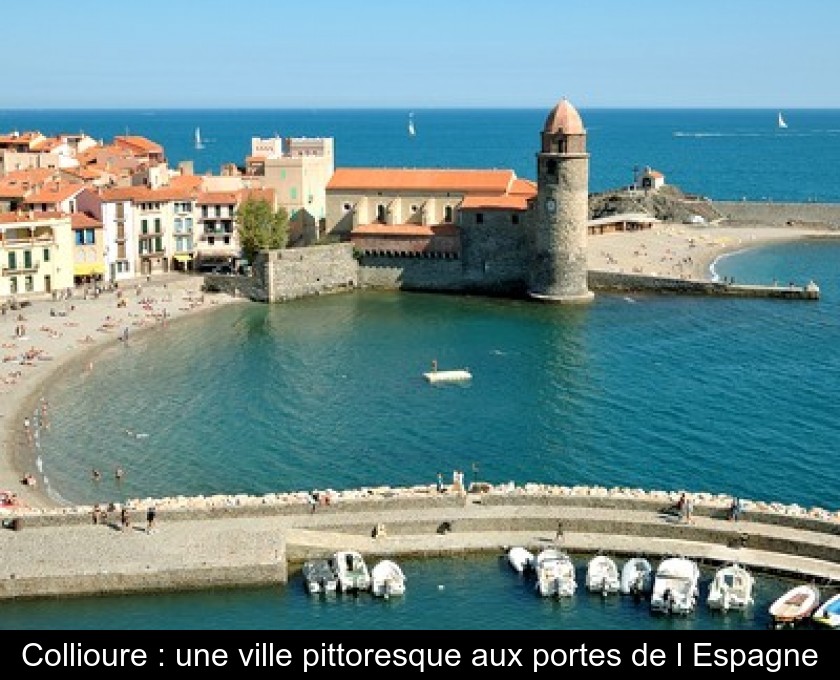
column 415, row 108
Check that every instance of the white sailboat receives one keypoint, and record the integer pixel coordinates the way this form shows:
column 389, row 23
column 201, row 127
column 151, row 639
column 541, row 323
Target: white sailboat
column 198, row 143
column 411, row 130
column 782, row 123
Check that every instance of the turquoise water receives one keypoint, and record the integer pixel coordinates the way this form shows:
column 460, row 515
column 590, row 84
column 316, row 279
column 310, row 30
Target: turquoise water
column 730, row 396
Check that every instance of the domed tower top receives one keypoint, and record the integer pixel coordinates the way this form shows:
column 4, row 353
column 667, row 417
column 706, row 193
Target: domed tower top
column 563, row 131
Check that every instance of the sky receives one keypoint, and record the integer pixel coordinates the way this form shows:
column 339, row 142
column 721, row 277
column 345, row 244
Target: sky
column 427, row 53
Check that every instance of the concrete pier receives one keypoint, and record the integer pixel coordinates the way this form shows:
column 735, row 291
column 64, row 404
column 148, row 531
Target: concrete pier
column 262, row 543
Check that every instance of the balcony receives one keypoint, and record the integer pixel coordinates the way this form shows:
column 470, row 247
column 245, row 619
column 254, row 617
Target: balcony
column 24, row 242
column 21, row 269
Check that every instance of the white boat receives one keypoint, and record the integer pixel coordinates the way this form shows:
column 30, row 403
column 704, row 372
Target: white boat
column 828, row 613
column 555, row 574
column 351, row 571
column 411, row 130
column 731, row 588
column 782, row 123
column 319, row 577
column 795, row 605
column 456, row 375
column 636, row 577
column 387, row 579
column 198, row 143
column 675, row 586
column 602, row 575
column 520, row 559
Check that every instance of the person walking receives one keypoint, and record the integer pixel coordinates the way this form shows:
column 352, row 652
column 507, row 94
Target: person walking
column 150, row 519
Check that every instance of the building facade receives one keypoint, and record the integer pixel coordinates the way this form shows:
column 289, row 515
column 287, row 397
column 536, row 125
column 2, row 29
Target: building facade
column 36, row 253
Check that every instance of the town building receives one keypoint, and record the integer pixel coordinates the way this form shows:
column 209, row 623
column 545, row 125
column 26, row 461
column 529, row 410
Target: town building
column 36, row 253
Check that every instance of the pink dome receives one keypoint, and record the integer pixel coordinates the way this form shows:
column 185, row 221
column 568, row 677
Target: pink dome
column 564, row 118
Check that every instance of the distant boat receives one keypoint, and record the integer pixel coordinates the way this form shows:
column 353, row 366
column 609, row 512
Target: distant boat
column 198, row 143
column 411, row 130
column 782, row 123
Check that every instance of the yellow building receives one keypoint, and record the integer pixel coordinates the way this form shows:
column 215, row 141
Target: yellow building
column 88, row 248
column 36, row 254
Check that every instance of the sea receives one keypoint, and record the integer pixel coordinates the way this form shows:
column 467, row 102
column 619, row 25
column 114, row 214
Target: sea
column 729, row 396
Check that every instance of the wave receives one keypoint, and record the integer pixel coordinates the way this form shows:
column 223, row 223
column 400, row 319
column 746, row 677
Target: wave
column 786, row 133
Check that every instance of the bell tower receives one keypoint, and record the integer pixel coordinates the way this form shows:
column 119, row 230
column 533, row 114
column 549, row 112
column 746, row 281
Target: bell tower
column 559, row 267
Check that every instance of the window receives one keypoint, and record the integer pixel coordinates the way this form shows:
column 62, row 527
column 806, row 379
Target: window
column 380, row 213
column 13, row 284
column 12, row 260
column 178, row 224
column 28, row 284
column 211, row 240
column 218, row 211
column 46, row 254
column 204, row 211
column 157, row 225
column 158, row 245
column 188, row 223
column 347, row 207
column 293, row 194
column 90, row 237
column 283, row 174
column 80, row 237
column 227, row 240
column 514, row 219
column 144, row 226
column 551, row 166
column 27, row 259
column 447, row 214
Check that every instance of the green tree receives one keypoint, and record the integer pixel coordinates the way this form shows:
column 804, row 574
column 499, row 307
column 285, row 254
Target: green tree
column 260, row 227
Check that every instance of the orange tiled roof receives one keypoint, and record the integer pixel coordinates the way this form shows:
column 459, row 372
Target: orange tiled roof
column 421, row 180
column 523, row 187
column 505, row 202
column 136, row 143
column 396, row 230
column 124, row 194
column 654, row 173
column 18, row 182
column 55, row 193
column 83, row 221
column 21, row 138
column 218, row 198
column 46, row 145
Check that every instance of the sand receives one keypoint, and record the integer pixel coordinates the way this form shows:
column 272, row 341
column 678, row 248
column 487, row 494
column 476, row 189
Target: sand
column 62, row 335
column 71, row 342
column 685, row 251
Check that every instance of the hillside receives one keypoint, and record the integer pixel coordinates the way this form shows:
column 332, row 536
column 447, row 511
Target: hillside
column 667, row 203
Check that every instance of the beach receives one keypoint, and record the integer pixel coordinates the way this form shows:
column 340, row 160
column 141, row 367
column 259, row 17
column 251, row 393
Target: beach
column 49, row 336
column 62, row 335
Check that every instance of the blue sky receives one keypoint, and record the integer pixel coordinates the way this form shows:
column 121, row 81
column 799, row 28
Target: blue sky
column 371, row 53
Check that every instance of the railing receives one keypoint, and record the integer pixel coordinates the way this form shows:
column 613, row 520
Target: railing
column 35, row 241
column 22, row 269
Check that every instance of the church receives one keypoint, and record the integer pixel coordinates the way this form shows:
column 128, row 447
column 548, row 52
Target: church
column 479, row 231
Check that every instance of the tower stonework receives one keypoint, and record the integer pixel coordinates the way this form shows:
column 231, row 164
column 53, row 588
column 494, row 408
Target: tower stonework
column 559, row 267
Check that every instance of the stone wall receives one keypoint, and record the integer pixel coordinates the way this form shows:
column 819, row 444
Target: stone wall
column 412, row 273
column 300, row 272
column 251, row 287
column 617, row 282
column 781, row 214
column 496, row 253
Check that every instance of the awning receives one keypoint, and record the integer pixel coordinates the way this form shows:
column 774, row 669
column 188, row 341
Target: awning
column 88, row 269
column 183, row 258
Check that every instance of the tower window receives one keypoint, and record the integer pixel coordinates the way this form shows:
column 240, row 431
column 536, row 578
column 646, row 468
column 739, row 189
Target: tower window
column 551, row 166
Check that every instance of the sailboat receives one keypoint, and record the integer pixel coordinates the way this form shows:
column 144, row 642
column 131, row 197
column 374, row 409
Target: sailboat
column 411, row 130
column 198, row 143
column 782, row 123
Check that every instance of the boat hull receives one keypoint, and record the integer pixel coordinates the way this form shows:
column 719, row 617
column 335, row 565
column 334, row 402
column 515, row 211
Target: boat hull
column 796, row 605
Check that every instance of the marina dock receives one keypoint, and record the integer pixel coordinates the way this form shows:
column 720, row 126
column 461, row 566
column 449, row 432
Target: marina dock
column 263, row 543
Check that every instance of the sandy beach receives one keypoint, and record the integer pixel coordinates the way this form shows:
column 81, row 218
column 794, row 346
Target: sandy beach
column 48, row 336
column 42, row 339
column 684, row 251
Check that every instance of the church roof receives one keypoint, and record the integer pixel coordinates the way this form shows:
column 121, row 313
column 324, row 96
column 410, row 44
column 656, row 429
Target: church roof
column 564, row 118
column 422, row 180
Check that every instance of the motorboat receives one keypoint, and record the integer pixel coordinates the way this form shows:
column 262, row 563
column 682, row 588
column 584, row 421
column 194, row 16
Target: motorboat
column 520, row 559
column 731, row 588
column 387, row 579
column 675, row 586
column 319, row 577
column 636, row 577
column 602, row 575
column 555, row 574
column 795, row 605
column 828, row 613
column 351, row 571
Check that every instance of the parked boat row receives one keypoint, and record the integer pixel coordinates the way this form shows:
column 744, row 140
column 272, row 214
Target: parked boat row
column 347, row 572
column 673, row 588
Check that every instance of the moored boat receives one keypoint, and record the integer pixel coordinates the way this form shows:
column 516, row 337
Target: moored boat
column 675, row 586
column 636, row 577
column 520, row 559
column 602, row 575
column 351, row 571
column 387, row 579
column 319, row 577
column 555, row 574
column 828, row 613
column 731, row 588
column 794, row 606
